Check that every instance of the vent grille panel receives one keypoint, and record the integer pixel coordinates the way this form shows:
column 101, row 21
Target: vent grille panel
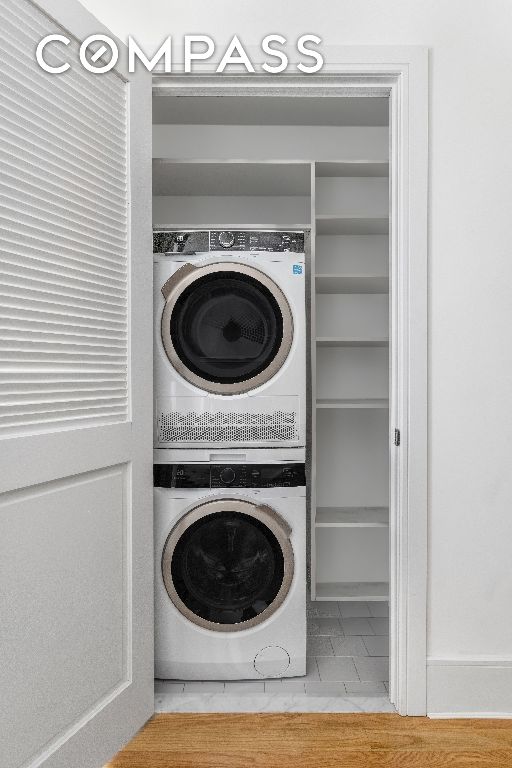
column 258, row 423
column 63, row 236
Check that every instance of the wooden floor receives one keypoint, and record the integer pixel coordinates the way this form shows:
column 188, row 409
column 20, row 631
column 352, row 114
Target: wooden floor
column 316, row 741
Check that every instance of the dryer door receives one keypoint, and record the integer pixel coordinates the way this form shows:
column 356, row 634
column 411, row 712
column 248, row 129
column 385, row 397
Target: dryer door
column 226, row 328
column 228, row 564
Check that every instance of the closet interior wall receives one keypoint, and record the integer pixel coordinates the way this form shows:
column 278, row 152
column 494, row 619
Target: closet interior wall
column 319, row 164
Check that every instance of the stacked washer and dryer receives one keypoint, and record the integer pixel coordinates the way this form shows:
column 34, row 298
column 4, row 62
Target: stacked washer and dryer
column 230, row 441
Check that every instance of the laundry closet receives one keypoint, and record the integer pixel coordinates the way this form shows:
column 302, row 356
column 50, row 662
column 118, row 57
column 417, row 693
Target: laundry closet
column 254, row 522
column 318, row 166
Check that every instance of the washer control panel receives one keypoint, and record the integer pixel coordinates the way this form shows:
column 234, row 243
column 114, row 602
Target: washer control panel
column 202, row 241
column 229, row 475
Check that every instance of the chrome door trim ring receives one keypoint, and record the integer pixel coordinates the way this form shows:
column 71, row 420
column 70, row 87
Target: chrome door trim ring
column 261, row 512
column 182, row 279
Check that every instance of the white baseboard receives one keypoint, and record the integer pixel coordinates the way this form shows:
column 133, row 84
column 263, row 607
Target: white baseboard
column 471, row 715
column 469, row 687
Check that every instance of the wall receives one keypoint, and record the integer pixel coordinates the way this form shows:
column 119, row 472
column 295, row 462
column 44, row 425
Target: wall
column 470, row 279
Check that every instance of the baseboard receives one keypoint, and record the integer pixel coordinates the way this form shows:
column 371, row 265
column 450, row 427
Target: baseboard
column 470, row 715
column 469, row 687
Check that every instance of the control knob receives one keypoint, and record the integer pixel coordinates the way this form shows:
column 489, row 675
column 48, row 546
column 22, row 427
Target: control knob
column 227, row 475
column 226, row 239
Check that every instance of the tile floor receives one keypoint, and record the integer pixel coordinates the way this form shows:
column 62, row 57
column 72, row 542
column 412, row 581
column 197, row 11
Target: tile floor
column 347, row 658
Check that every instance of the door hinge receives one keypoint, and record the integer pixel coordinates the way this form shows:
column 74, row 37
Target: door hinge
column 397, row 437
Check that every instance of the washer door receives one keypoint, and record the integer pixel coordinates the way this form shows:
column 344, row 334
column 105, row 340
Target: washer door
column 228, row 564
column 226, row 328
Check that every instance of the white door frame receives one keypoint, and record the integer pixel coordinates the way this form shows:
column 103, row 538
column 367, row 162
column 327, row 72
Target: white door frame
column 402, row 74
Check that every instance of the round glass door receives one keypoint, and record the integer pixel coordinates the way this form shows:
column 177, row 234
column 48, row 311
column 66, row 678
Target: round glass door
column 228, row 564
column 226, row 327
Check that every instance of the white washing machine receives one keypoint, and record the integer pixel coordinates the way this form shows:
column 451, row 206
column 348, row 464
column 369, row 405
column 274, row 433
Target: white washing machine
column 230, row 339
column 230, row 571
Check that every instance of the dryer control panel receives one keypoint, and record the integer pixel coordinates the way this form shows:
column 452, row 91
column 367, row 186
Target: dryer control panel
column 202, row 241
column 229, row 475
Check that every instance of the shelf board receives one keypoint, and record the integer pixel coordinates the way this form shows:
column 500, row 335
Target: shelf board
column 239, row 225
column 342, row 341
column 353, row 590
column 351, row 225
column 231, row 179
column 352, row 517
column 382, row 402
column 351, row 169
column 335, row 283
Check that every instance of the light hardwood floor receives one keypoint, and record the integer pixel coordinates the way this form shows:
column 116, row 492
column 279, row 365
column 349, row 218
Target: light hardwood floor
column 317, row 741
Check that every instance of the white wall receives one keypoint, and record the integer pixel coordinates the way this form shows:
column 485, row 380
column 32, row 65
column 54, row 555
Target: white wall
column 470, row 581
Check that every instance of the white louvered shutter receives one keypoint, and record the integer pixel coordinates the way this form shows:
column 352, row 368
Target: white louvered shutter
column 63, row 235
column 76, row 623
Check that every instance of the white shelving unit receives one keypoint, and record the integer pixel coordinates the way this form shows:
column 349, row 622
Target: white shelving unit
column 350, row 286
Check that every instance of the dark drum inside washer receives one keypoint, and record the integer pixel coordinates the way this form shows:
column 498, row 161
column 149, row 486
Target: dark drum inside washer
column 226, row 327
column 227, row 567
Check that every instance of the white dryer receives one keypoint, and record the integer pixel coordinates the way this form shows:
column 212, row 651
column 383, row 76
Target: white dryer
column 230, row 339
column 230, row 571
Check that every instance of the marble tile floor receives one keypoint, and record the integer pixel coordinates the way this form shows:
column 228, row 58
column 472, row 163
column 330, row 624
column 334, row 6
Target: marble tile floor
column 347, row 671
